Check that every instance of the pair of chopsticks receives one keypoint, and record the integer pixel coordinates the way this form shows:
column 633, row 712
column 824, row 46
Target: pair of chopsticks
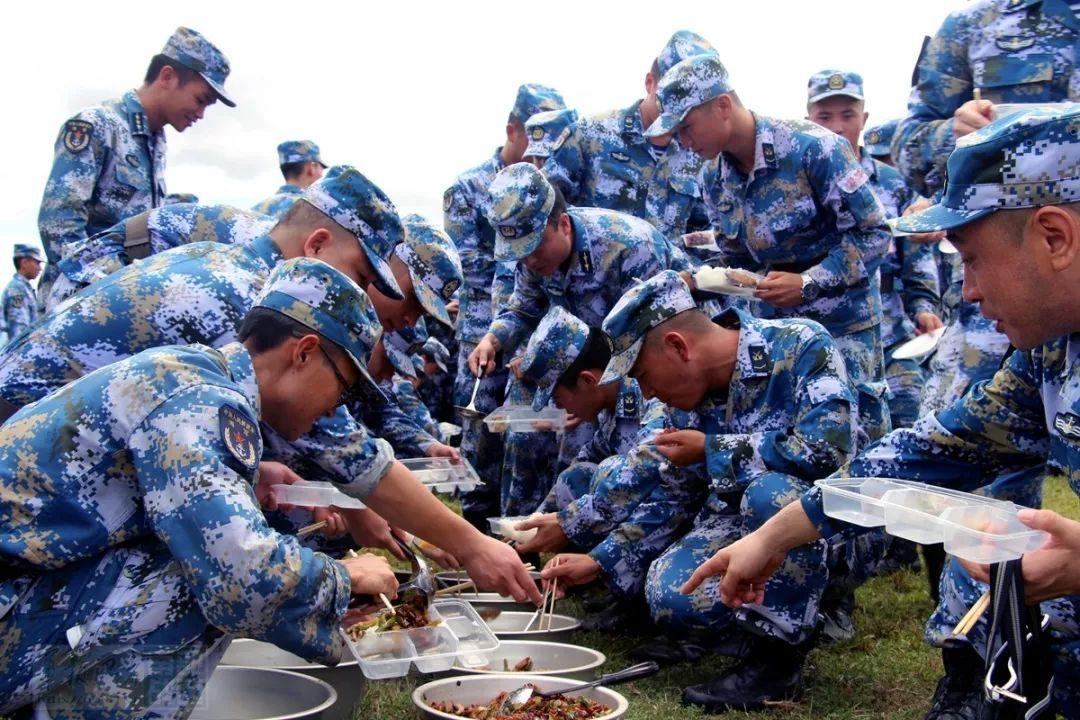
column 972, row 616
column 469, row 584
column 308, row 529
column 544, row 612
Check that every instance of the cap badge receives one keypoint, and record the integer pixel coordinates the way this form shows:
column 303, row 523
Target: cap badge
column 836, row 81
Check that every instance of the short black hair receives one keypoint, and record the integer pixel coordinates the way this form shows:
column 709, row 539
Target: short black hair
column 159, row 61
column 655, row 70
column 558, row 209
column 293, row 169
column 267, row 329
column 595, row 355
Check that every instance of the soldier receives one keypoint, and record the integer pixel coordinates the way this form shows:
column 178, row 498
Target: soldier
column 435, row 377
column 301, row 165
column 110, row 159
column 1010, row 209
column 766, row 407
column 877, row 141
column 583, row 259
column 19, row 301
column 608, row 162
column 145, row 537
column 487, row 286
column 393, row 367
column 789, row 200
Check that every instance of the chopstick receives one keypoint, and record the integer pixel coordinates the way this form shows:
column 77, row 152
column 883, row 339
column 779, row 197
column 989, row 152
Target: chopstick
column 972, row 616
column 456, row 588
column 386, row 602
column 549, row 592
column 308, row 529
column 554, row 591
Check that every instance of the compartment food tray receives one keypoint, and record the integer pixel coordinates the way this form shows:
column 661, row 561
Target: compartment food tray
column 522, row 418
column 315, row 493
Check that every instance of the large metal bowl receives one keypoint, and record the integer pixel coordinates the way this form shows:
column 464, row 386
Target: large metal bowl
column 511, row 626
column 345, row 678
column 552, row 659
column 244, row 693
column 483, row 600
column 482, row 689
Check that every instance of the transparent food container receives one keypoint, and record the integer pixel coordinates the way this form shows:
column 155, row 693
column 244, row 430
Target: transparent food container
column 857, row 500
column 506, row 527
column 727, row 281
column 988, row 534
column 914, row 513
column 429, row 470
column 313, row 493
column 522, row 418
column 461, row 637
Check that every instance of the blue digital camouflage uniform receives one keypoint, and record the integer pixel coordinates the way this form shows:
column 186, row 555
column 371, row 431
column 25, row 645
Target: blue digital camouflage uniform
column 92, row 259
column 877, row 139
column 785, row 419
column 547, row 131
column 279, row 203
column 18, row 301
column 290, row 151
column 805, row 207
column 437, row 390
column 1014, row 51
column 174, row 198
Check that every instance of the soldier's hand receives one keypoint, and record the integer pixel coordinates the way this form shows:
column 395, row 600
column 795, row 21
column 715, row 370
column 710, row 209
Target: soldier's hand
column 927, row 322
column 514, row 366
column 370, row 530
column 483, row 355
column 370, row 575
column 780, row 289
column 494, row 565
column 549, row 534
column 571, row 569
column 744, row 566
column 681, row 447
column 918, row 206
column 572, row 421
column 443, row 450
column 270, row 474
column 452, row 307
column 971, row 116
column 431, row 552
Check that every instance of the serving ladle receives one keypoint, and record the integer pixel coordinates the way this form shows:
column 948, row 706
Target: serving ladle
column 470, row 411
column 519, row 697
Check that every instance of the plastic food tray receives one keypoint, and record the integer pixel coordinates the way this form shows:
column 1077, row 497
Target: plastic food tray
column 857, row 500
column 919, row 346
column 505, row 527
column 429, row 470
column 988, row 534
column 312, row 493
column 462, row 638
column 719, row 280
column 522, row 418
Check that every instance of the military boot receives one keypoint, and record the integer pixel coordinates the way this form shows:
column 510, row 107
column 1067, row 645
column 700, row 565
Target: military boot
column 771, row 671
column 959, row 693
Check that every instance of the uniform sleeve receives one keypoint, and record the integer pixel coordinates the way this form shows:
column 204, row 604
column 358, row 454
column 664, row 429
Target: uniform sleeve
column 77, row 165
column 998, row 427
column 411, row 404
column 248, row 580
column 924, row 139
column 565, row 168
column 527, row 305
column 393, row 424
column 91, row 259
column 502, row 286
column 459, row 221
column 821, row 436
column 920, row 288
column 19, row 311
column 843, row 191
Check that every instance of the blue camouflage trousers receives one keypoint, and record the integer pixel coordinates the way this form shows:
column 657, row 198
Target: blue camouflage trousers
column 483, row 449
column 865, row 363
column 113, row 636
column 792, row 594
column 905, row 380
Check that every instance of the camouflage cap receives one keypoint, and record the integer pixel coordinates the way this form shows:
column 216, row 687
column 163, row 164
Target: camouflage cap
column 193, row 51
column 358, row 205
column 521, row 200
column 689, row 83
column 547, row 131
column 437, row 352
column 402, row 344
column 418, row 364
column 533, row 98
column 1026, row 159
column 434, row 265
column 324, row 299
column 683, row 44
column 554, row 346
column 177, row 198
column 641, row 308
column 829, row 83
column 294, row 151
column 878, row 139
column 30, row 251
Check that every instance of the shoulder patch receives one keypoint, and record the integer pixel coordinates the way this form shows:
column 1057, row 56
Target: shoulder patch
column 77, row 136
column 15, row 301
column 240, row 436
column 854, row 179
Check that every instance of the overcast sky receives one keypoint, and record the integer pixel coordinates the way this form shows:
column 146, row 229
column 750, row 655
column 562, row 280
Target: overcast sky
column 412, row 93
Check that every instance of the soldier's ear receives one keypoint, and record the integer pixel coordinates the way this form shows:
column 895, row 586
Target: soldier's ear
column 589, row 378
column 316, row 242
column 677, row 343
column 1057, row 233
column 304, row 350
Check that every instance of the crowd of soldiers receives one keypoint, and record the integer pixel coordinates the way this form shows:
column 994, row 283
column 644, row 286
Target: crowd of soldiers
column 188, row 357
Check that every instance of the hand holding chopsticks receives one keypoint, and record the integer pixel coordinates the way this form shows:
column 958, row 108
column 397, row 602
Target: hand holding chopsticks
column 972, row 616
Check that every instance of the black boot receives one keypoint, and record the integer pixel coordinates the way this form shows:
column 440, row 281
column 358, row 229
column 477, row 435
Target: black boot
column 959, row 694
column 837, row 607
column 664, row 651
column 772, row 671
column 620, row 613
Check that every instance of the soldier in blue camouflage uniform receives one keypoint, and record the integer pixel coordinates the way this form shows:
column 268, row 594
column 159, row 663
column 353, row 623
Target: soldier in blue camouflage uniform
column 1012, row 186
column 582, row 259
column 487, row 286
column 397, row 377
column 143, row 539
column 436, row 379
column 794, row 205
column 110, row 159
column 176, row 198
column 762, row 408
column 149, row 233
column 18, row 301
column 301, row 164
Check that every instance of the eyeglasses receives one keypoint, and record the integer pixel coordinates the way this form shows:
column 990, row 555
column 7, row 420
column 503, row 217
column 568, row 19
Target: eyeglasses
column 350, row 393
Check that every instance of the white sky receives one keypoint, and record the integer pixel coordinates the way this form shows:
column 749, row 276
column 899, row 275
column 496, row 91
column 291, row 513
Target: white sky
column 412, row 93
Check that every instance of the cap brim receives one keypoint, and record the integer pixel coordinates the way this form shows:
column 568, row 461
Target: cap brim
column 663, row 125
column 402, row 363
column 441, row 365
column 368, row 390
column 619, row 366
column 430, row 301
column 834, row 93
column 504, row 254
column 219, row 90
column 384, row 276
column 936, row 218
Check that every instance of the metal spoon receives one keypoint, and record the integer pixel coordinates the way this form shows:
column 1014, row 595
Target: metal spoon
column 470, row 410
column 521, row 696
column 421, row 581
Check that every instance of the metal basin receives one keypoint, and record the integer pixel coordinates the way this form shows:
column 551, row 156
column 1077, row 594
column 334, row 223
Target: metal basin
column 483, row 600
column 482, row 689
column 345, row 677
column 549, row 658
column 511, row 626
column 243, row 693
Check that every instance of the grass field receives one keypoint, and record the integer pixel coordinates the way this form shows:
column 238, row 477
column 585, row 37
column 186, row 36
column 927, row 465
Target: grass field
column 885, row 672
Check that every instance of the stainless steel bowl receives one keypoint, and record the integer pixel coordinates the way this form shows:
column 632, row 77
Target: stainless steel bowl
column 482, row 689
column 554, row 659
column 345, row 677
column 244, row 693
column 511, row 626
column 483, row 600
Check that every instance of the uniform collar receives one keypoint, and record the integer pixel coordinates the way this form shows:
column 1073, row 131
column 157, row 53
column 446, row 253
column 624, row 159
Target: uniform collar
column 581, row 250
column 266, row 250
column 288, row 189
column 628, row 402
column 1059, row 10
column 752, row 355
column 869, row 164
column 242, row 372
column 764, row 145
column 140, row 125
column 630, row 125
